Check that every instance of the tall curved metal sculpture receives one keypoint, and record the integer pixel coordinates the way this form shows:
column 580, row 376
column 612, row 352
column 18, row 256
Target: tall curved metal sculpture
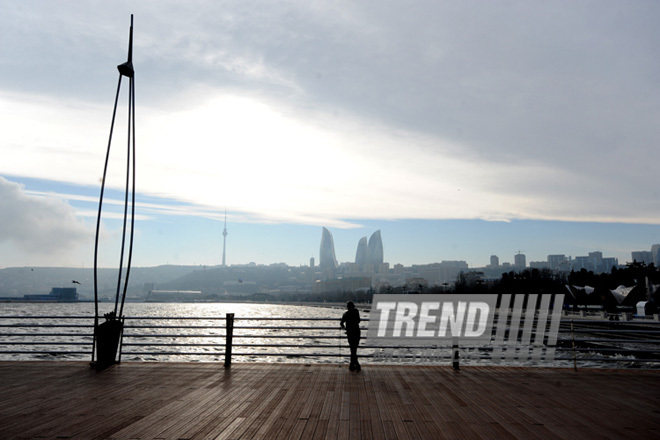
column 107, row 335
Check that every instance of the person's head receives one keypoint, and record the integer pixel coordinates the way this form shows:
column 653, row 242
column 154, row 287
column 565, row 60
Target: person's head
column 350, row 305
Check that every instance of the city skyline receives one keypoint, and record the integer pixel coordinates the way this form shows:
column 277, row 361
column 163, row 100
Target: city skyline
column 457, row 130
column 170, row 234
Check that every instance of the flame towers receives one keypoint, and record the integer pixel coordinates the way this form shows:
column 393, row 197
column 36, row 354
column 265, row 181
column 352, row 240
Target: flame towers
column 371, row 252
column 327, row 258
column 361, row 254
column 375, row 249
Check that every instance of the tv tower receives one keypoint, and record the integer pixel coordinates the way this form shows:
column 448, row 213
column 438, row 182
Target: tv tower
column 224, row 242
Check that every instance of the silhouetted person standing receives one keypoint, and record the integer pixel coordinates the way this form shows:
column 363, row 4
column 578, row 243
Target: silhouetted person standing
column 350, row 322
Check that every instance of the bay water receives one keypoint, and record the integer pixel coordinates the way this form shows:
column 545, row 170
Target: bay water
column 195, row 332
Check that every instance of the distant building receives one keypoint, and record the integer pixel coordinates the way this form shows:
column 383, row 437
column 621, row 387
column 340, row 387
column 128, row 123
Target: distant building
column 648, row 257
column 349, row 284
column 557, row 262
column 595, row 262
column 494, row 261
column 361, row 253
column 609, row 263
column 580, row 263
column 375, row 250
column 655, row 253
column 369, row 255
column 327, row 259
column 645, row 257
column 538, row 265
column 440, row 273
column 520, row 261
column 57, row 294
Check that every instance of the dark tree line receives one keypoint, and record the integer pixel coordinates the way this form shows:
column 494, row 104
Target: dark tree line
column 538, row 281
column 546, row 281
column 633, row 275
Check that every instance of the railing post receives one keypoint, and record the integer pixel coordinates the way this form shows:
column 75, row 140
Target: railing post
column 454, row 348
column 573, row 344
column 228, row 339
column 121, row 339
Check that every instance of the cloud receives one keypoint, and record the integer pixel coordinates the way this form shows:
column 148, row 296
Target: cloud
column 332, row 112
column 275, row 163
column 37, row 224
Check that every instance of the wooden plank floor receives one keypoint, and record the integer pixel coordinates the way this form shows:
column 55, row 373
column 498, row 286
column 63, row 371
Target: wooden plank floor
column 49, row 400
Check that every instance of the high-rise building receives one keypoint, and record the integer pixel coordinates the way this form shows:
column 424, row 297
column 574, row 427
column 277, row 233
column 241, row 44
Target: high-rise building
column 608, row 263
column 327, row 259
column 519, row 260
column 595, row 262
column 375, row 250
column 655, row 253
column 556, row 262
column 596, row 258
column 361, row 253
column 494, row 261
column 645, row 257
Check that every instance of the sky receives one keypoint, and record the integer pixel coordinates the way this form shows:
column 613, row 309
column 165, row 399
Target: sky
column 460, row 129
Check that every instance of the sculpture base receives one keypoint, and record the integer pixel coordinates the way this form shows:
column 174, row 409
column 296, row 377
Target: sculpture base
column 107, row 337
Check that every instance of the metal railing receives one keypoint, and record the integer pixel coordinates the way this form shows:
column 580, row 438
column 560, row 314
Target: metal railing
column 586, row 342
column 45, row 337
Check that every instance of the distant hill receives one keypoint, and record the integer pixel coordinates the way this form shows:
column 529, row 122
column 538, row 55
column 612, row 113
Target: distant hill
column 211, row 280
column 19, row 281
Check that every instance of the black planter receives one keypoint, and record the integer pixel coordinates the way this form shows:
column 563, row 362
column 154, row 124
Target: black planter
column 107, row 336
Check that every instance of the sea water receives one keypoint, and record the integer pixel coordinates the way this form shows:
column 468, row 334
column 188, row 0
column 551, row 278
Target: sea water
column 204, row 339
column 174, row 332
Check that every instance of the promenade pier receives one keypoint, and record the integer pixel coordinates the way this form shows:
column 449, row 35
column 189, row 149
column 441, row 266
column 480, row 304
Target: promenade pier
column 55, row 400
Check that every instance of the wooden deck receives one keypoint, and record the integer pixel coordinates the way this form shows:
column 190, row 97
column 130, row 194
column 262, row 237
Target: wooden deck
column 294, row 401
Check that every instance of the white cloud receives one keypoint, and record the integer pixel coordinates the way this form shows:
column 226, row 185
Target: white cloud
column 39, row 225
column 276, row 163
column 325, row 113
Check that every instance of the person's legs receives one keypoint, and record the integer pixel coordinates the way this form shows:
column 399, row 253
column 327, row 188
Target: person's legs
column 353, row 354
column 353, row 342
